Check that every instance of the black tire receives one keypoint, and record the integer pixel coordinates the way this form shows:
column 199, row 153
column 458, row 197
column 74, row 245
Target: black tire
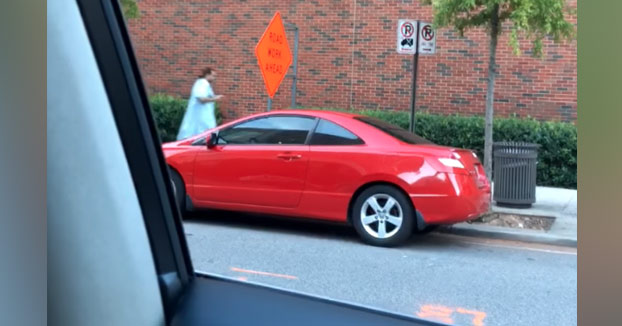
column 180, row 190
column 382, row 193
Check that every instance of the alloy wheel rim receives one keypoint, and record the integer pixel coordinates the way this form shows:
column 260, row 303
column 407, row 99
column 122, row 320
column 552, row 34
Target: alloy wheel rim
column 381, row 216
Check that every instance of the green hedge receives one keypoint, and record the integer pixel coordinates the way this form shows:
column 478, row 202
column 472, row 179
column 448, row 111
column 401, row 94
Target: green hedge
column 168, row 111
column 557, row 156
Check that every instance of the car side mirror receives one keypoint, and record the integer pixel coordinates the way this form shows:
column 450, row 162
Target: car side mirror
column 212, row 141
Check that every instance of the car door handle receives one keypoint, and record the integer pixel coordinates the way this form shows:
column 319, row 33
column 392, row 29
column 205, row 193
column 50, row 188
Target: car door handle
column 289, row 157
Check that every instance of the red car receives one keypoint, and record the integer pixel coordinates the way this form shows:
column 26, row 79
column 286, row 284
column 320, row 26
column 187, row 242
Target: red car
column 332, row 166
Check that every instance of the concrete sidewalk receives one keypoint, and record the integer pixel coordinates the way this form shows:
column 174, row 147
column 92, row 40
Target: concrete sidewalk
column 551, row 202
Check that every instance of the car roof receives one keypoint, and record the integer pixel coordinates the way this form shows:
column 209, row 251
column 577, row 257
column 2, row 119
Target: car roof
column 315, row 113
column 325, row 114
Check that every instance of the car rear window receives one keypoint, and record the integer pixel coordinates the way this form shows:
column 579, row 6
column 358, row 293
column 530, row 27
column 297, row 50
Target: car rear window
column 395, row 131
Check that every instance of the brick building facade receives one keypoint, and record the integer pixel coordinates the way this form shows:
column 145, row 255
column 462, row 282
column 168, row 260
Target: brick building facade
column 347, row 59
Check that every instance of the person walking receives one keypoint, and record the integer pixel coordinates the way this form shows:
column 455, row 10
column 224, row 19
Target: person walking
column 200, row 114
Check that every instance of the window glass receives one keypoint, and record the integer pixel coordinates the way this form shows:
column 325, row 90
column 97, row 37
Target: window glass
column 328, row 133
column 284, row 130
column 395, row 131
column 223, row 65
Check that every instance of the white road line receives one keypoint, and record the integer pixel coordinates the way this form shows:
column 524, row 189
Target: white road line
column 250, row 271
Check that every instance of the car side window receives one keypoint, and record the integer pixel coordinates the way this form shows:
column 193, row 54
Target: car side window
column 328, row 133
column 276, row 130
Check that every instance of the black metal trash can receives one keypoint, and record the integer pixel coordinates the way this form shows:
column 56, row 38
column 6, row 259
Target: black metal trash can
column 514, row 173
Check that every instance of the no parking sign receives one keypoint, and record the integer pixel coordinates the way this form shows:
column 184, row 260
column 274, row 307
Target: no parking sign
column 406, row 36
column 414, row 37
column 427, row 39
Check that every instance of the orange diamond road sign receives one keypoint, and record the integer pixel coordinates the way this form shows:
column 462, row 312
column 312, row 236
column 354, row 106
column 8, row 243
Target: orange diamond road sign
column 273, row 54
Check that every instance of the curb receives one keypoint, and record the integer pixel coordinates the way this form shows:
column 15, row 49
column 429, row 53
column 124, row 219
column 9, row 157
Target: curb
column 496, row 232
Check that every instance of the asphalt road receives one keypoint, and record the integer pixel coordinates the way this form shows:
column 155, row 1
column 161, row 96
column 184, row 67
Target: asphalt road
column 451, row 279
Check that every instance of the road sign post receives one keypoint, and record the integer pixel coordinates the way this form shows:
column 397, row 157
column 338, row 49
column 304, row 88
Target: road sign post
column 414, row 85
column 294, row 74
column 424, row 42
column 273, row 56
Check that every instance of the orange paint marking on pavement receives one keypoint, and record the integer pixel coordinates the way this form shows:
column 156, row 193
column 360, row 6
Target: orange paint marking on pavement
column 240, row 270
column 440, row 313
column 564, row 251
column 511, row 244
column 478, row 316
column 444, row 314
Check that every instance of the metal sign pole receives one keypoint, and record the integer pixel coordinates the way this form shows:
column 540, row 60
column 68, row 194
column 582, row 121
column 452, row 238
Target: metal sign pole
column 295, row 64
column 294, row 67
column 269, row 103
column 414, row 82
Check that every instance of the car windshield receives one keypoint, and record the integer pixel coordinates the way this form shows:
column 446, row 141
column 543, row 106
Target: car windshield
column 394, row 131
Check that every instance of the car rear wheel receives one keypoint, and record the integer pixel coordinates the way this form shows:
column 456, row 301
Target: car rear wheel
column 383, row 216
column 179, row 189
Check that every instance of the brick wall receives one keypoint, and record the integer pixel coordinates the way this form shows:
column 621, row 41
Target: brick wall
column 347, row 59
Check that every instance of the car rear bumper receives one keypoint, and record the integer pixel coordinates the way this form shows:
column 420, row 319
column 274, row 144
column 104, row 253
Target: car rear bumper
column 462, row 201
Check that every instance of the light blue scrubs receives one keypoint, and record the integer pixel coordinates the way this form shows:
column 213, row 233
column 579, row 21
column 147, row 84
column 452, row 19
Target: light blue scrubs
column 199, row 116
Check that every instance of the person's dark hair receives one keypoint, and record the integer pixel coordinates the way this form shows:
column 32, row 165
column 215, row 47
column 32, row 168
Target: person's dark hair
column 206, row 71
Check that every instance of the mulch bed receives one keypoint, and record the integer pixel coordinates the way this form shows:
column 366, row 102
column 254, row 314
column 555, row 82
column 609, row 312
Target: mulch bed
column 516, row 221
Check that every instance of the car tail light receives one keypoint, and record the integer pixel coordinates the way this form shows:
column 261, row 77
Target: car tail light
column 451, row 163
column 482, row 180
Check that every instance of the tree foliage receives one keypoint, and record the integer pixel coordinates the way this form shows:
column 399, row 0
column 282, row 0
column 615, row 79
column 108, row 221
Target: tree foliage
column 534, row 19
column 130, row 9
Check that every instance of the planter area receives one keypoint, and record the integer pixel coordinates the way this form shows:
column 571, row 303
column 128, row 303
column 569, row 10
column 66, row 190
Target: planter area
column 515, row 221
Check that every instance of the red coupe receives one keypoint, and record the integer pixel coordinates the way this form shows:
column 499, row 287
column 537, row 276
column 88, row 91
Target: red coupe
column 332, row 166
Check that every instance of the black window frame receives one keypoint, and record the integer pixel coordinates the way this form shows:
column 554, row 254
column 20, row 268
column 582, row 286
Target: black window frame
column 109, row 39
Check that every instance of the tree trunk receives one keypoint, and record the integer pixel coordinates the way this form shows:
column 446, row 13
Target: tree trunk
column 490, row 92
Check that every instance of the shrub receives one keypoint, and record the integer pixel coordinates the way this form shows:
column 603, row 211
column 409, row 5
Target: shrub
column 168, row 111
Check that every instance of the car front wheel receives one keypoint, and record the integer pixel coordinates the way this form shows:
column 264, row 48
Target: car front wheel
column 383, row 216
column 179, row 190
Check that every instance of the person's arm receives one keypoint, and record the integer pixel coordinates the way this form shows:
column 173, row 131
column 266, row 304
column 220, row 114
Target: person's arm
column 209, row 99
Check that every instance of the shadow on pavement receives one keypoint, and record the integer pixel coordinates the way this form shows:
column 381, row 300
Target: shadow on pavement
column 308, row 227
column 273, row 223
